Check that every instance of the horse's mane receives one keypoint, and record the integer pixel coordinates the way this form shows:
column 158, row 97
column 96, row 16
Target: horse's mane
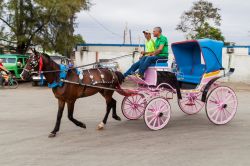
column 51, row 61
column 46, row 55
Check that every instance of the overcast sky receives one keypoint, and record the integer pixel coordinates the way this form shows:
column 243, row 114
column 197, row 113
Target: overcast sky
column 145, row 14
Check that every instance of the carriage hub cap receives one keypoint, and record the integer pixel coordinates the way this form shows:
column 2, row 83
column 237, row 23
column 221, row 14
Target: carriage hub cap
column 224, row 106
column 160, row 114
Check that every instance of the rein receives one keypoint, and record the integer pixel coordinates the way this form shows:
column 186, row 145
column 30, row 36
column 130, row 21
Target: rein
column 77, row 67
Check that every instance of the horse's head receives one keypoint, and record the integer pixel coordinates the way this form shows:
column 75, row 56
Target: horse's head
column 32, row 65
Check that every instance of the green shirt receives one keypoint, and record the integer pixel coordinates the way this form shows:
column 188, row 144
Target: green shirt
column 150, row 45
column 162, row 40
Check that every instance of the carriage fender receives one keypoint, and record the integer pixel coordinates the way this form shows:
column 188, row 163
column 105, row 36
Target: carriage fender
column 211, row 82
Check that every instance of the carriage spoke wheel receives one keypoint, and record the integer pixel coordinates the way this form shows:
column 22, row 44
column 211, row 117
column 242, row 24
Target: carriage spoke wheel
column 221, row 105
column 157, row 113
column 191, row 103
column 133, row 106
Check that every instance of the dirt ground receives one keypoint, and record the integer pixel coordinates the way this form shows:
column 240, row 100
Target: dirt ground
column 28, row 114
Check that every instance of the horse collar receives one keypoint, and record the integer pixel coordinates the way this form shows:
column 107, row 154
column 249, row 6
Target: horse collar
column 40, row 64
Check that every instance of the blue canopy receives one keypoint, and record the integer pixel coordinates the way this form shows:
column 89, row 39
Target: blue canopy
column 196, row 57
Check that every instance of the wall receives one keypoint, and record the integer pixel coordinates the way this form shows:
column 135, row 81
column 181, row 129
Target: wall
column 240, row 60
column 107, row 51
column 90, row 57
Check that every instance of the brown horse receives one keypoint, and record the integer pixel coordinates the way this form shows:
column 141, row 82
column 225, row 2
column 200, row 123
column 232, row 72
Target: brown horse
column 69, row 93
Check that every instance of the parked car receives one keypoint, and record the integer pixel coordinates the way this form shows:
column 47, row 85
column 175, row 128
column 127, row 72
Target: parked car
column 36, row 79
column 14, row 63
column 106, row 63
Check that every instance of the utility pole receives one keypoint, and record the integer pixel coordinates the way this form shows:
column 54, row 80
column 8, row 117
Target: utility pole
column 127, row 37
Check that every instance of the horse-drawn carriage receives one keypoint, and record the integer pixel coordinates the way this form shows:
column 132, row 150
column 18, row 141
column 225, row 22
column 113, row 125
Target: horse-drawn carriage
column 194, row 80
column 199, row 66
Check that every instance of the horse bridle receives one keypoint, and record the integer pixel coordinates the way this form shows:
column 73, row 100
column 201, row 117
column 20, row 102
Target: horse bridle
column 34, row 63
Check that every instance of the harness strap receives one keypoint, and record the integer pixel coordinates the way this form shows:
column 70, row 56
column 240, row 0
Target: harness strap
column 62, row 75
column 101, row 74
column 113, row 77
column 91, row 77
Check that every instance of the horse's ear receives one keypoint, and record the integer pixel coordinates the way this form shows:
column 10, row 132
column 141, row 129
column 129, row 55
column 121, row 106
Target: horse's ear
column 34, row 51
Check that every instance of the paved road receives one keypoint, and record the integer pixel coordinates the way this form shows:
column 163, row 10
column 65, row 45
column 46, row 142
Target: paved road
column 28, row 114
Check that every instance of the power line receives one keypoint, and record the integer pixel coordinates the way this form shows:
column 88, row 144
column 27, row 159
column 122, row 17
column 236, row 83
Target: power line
column 103, row 26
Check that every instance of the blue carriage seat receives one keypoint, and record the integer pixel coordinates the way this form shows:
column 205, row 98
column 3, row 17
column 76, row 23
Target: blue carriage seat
column 192, row 74
column 160, row 63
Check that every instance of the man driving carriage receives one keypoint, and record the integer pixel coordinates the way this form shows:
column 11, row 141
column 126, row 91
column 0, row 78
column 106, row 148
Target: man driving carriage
column 150, row 48
column 161, row 52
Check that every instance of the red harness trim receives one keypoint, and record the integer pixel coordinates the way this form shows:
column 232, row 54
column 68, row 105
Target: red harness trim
column 40, row 64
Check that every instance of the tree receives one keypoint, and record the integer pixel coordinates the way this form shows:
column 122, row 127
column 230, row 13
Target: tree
column 201, row 21
column 49, row 23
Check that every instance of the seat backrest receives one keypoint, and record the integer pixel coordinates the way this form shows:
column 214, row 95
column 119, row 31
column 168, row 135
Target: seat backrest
column 198, row 70
column 160, row 63
column 186, row 70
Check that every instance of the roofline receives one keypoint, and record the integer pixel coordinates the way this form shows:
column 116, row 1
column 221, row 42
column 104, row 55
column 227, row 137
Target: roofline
column 14, row 55
column 112, row 45
column 143, row 45
column 237, row 46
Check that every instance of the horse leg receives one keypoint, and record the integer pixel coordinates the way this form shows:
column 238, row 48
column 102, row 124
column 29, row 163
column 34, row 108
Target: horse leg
column 71, row 106
column 61, row 105
column 110, row 104
column 108, row 96
column 114, row 115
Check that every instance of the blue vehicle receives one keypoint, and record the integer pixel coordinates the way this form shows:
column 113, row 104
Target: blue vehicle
column 195, row 81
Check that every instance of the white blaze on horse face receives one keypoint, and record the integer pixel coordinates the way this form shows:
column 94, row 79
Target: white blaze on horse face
column 100, row 126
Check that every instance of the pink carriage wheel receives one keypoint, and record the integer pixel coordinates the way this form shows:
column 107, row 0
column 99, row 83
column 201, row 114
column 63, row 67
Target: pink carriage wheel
column 191, row 103
column 221, row 105
column 133, row 106
column 157, row 113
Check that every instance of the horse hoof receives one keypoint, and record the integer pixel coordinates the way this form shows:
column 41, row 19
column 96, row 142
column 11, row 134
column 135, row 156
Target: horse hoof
column 117, row 118
column 100, row 126
column 52, row 135
column 83, row 126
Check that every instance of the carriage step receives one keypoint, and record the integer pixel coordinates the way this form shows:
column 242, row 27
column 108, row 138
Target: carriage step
column 137, row 80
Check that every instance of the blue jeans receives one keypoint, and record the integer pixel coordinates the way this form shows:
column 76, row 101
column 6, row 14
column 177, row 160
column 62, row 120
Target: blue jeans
column 134, row 67
column 147, row 62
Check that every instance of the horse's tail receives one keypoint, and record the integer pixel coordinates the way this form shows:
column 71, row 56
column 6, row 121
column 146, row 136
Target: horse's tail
column 120, row 77
column 119, row 89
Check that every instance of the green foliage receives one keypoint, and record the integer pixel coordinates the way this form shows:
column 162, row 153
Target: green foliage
column 78, row 39
column 49, row 23
column 201, row 21
column 208, row 31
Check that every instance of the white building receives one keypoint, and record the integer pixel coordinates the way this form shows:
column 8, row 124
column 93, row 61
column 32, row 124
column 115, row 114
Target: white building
column 90, row 53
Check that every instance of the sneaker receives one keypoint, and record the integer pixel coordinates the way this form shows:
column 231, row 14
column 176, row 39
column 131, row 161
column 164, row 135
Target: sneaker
column 139, row 76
